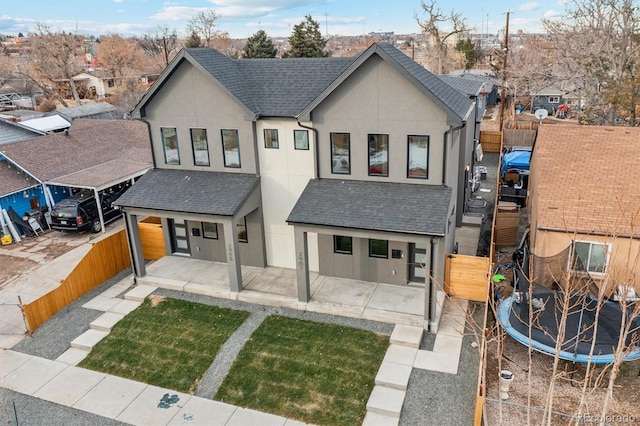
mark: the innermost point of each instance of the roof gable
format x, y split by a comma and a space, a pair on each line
293, 87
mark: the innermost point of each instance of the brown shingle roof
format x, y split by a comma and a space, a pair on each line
89, 144
12, 180
585, 178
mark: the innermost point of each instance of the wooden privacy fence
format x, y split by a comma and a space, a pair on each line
467, 277
491, 141
105, 259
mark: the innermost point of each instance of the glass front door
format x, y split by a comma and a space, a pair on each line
417, 262
179, 237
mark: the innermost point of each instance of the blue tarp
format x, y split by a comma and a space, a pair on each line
517, 160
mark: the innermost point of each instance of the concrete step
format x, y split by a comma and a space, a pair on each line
386, 401
88, 339
106, 321
140, 292
375, 419
392, 375
407, 335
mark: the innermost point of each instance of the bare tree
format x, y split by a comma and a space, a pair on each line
204, 25
120, 57
597, 42
160, 45
55, 58
438, 37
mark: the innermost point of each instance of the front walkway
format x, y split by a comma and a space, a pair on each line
277, 287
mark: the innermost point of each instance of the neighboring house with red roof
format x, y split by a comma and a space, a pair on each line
585, 200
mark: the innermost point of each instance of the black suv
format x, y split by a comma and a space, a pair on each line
80, 212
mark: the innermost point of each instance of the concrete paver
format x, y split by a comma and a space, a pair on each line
125, 307
245, 416
69, 386
88, 339
395, 376
106, 321
110, 397
386, 401
10, 360
400, 354
73, 356
102, 303
407, 336
32, 375
375, 419
140, 292
448, 344
203, 412
437, 361
151, 407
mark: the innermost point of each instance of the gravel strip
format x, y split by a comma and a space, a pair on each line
221, 365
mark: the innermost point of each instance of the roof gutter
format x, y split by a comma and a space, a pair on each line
586, 232
316, 172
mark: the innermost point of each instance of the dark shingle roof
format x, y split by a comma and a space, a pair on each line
463, 85
190, 191
286, 87
375, 206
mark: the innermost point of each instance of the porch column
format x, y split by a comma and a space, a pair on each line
99, 204
135, 244
302, 265
232, 250
436, 280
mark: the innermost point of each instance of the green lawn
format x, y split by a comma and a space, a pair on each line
169, 344
313, 372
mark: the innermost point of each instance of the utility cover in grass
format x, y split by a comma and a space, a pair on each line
313, 372
165, 342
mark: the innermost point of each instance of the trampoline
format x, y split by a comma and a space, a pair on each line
580, 326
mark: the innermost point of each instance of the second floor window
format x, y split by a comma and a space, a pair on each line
340, 153
378, 155
231, 148
170, 146
200, 147
418, 157
301, 139
271, 138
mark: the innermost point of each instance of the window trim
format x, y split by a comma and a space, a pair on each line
336, 250
224, 153
204, 232
164, 146
277, 139
193, 148
369, 140
607, 255
348, 172
295, 139
553, 99
426, 176
378, 256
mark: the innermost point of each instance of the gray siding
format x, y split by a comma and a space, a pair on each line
191, 99
377, 99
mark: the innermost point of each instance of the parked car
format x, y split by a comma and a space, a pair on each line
80, 212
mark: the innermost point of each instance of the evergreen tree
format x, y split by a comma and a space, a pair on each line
467, 48
259, 46
193, 40
306, 40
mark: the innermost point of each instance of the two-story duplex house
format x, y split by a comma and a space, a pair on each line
345, 166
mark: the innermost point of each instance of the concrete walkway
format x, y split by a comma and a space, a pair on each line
61, 382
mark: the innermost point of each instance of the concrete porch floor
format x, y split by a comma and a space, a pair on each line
277, 287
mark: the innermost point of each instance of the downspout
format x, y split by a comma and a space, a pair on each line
316, 148
430, 314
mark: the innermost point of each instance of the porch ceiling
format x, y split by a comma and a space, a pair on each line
188, 191
373, 206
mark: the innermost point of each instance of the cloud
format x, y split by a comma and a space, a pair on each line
552, 14
118, 1
527, 7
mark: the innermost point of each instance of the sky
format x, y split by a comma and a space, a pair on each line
242, 18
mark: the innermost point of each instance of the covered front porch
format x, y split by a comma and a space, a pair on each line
278, 287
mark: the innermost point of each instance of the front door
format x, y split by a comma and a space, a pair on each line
179, 237
417, 262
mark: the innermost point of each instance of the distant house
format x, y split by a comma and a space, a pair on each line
489, 92
549, 98
585, 202
97, 84
92, 155
95, 110
348, 167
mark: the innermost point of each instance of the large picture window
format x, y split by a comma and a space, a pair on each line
342, 244
418, 157
170, 146
341, 153
301, 139
271, 138
200, 147
379, 155
231, 148
589, 257
379, 248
